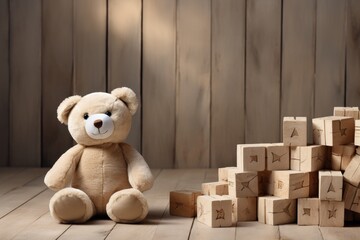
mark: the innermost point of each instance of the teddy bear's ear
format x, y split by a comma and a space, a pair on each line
65, 107
128, 97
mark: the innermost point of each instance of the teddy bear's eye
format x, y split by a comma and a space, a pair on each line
108, 113
86, 116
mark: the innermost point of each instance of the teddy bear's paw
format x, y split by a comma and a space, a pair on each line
127, 206
71, 205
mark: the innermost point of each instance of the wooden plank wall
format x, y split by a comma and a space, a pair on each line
208, 73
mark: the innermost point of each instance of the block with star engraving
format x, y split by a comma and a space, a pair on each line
251, 157
243, 184
295, 131
277, 157
215, 188
308, 211
333, 130
330, 185
351, 197
347, 112
223, 173
244, 209
357, 133
341, 156
274, 210
352, 172
308, 158
291, 184
183, 202
332, 214
215, 210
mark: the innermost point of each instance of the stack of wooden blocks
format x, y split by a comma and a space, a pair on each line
286, 182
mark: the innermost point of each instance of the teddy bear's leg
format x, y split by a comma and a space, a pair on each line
71, 205
127, 206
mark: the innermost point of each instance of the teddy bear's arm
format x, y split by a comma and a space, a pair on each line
60, 175
140, 176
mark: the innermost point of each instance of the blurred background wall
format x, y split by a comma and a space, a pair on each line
209, 73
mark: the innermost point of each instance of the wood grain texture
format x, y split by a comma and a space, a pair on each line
227, 81
25, 87
298, 59
124, 55
353, 54
5, 81
263, 52
57, 60
330, 56
89, 46
193, 84
159, 62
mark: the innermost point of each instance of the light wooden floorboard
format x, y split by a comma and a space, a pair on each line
24, 214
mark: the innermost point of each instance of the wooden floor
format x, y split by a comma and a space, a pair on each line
24, 214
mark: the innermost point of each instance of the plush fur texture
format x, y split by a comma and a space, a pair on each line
101, 174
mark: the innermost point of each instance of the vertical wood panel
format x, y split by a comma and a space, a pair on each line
263, 43
298, 59
4, 81
193, 84
330, 56
25, 87
353, 54
89, 46
159, 61
124, 54
227, 80
57, 62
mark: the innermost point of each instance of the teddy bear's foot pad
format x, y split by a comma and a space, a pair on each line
127, 206
71, 205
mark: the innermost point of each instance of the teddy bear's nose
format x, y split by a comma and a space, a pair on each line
98, 123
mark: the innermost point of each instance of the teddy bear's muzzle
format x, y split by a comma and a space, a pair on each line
99, 126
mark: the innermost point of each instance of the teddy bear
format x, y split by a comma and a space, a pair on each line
101, 174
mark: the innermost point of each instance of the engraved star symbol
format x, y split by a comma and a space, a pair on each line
245, 185
306, 211
298, 185
332, 213
253, 158
220, 214
276, 158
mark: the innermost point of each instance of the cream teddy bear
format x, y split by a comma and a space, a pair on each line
101, 174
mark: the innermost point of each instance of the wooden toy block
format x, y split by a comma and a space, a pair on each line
308, 211
313, 184
223, 173
347, 112
214, 211
294, 131
308, 158
330, 185
277, 157
351, 197
274, 210
245, 209
333, 130
215, 188
357, 132
341, 156
331, 214
266, 183
251, 157
291, 184
243, 184
183, 203
352, 172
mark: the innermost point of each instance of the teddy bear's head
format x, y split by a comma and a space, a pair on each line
99, 118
